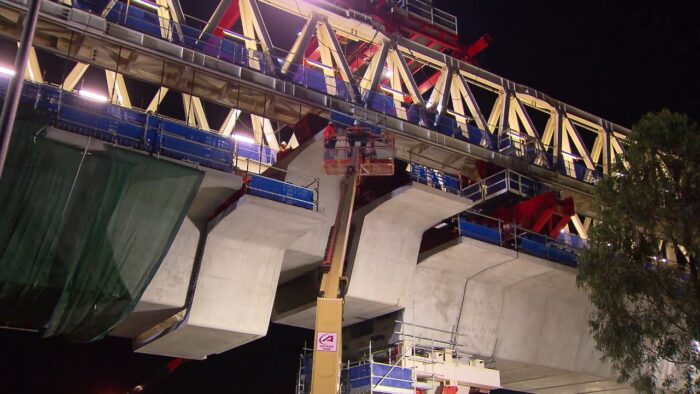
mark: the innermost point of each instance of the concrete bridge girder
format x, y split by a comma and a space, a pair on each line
235, 288
524, 313
388, 245
167, 292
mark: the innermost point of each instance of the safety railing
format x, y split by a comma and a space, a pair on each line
435, 16
505, 181
229, 46
372, 155
287, 187
488, 229
437, 179
133, 128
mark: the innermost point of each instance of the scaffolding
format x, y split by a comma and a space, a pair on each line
421, 360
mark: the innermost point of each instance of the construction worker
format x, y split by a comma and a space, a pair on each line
330, 136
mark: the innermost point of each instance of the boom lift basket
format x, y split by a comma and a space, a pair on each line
371, 154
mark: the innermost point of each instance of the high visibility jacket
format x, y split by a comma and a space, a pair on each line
329, 132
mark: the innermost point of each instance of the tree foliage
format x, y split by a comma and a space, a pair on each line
641, 266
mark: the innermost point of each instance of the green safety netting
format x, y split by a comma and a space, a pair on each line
82, 233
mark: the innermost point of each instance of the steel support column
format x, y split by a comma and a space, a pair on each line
14, 90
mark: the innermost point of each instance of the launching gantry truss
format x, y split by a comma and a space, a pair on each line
359, 62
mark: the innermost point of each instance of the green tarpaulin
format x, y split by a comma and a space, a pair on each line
83, 232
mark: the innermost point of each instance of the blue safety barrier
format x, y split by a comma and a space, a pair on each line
181, 142
275, 190
137, 129
134, 18
571, 240
531, 243
380, 377
346, 121
479, 231
496, 184
473, 192
92, 6
432, 177
251, 151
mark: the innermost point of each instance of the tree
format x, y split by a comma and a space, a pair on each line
641, 265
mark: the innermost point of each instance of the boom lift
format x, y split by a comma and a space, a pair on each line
352, 149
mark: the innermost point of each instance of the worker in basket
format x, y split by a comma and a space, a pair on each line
330, 138
357, 134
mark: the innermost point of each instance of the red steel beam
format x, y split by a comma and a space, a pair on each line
231, 16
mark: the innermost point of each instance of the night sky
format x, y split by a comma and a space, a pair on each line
615, 59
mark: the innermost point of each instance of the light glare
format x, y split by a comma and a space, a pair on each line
243, 138
571, 156
318, 64
92, 95
233, 34
147, 4
7, 71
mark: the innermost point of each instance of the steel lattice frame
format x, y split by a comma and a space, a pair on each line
453, 94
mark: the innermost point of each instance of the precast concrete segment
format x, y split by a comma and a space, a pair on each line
236, 286
524, 312
166, 293
305, 253
388, 247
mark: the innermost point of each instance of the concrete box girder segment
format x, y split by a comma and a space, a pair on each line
525, 312
235, 288
166, 294
387, 249
387, 239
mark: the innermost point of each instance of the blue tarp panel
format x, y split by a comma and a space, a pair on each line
184, 143
451, 184
447, 125
495, 183
92, 6
566, 257
472, 192
345, 121
381, 103
189, 38
255, 152
283, 192
533, 247
478, 231
383, 376
571, 240
103, 126
131, 128
315, 80
136, 18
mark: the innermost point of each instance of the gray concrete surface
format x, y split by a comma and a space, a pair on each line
239, 273
524, 313
166, 293
388, 247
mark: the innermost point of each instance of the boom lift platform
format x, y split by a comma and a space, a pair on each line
353, 149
